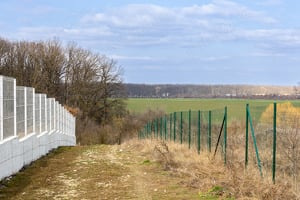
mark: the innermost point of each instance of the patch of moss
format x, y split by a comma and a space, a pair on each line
146, 162
214, 193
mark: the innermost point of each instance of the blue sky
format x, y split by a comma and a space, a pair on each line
178, 41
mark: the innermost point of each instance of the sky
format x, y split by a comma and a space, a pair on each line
171, 41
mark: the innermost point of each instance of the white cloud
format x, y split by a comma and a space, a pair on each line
214, 58
270, 2
43, 32
284, 37
132, 15
131, 58
148, 24
267, 54
224, 8
141, 15
190, 26
40, 33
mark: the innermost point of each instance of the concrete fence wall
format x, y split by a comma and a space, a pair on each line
30, 126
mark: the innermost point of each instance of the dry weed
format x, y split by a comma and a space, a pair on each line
205, 172
164, 156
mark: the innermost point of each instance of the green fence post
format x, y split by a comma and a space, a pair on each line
157, 125
147, 133
171, 116
274, 142
199, 130
254, 142
190, 116
225, 136
181, 121
156, 128
161, 128
153, 129
209, 131
157, 122
174, 129
146, 129
247, 136
165, 126
149, 128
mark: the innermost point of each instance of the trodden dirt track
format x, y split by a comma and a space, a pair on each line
97, 172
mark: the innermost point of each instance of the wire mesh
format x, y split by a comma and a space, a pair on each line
204, 131
30, 109
37, 111
263, 128
20, 117
251, 137
48, 113
288, 143
23, 112
8, 107
193, 128
57, 116
52, 107
197, 129
43, 113
217, 132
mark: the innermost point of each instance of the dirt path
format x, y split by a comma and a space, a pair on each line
96, 172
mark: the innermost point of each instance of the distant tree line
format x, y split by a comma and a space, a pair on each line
210, 91
75, 76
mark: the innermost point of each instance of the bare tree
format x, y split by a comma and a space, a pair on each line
80, 76
75, 76
93, 83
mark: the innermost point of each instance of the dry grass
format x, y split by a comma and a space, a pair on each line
287, 154
205, 172
117, 130
139, 169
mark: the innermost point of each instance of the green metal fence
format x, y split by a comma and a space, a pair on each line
200, 130
267, 137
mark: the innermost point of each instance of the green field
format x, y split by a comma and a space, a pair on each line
236, 107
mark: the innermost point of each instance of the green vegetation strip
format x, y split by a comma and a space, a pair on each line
236, 107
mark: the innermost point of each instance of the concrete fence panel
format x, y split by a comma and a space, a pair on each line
30, 126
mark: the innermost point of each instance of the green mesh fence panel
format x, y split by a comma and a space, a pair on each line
217, 117
193, 128
183, 127
288, 143
204, 129
263, 127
